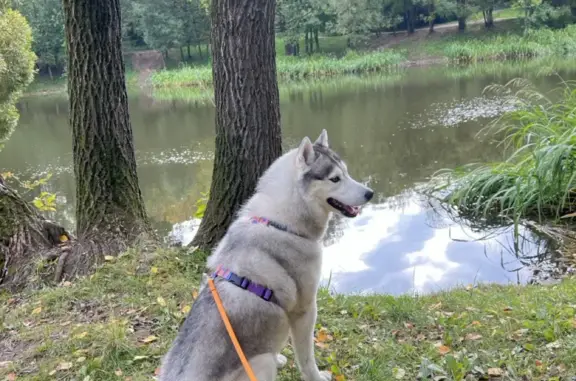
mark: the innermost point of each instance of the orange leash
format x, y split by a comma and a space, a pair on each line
231, 333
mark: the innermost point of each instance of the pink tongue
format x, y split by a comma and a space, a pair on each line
352, 209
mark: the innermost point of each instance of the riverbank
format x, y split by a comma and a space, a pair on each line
118, 323
504, 42
448, 48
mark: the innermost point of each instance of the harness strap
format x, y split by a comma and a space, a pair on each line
230, 330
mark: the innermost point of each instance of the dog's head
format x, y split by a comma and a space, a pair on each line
325, 178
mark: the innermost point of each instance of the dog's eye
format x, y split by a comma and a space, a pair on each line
335, 179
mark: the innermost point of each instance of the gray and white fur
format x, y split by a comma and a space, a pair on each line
301, 190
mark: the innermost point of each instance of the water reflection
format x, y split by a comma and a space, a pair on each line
393, 132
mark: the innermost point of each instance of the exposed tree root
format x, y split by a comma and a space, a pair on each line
35, 251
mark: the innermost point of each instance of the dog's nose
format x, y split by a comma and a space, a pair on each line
368, 195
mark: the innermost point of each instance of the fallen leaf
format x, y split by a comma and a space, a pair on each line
343, 312
81, 359
36, 310
323, 336
469, 287
81, 335
475, 322
157, 371
194, 294
538, 363
495, 372
473, 336
63, 238
118, 372
149, 339
108, 258
11, 376
137, 358
161, 301
443, 349
5, 364
507, 309
154, 270
64, 366
409, 325
67, 284
340, 377
436, 306
322, 345
554, 345
399, 373
52, 372
185, 309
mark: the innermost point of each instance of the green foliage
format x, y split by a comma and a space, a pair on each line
201, 205
45, 201
47, 21
16, 66
538, 180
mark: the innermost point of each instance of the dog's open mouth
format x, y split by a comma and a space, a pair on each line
347, 210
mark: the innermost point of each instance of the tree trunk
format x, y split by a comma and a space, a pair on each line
432, 16
109, 205
462, 15
489, 18
200, 52
25, 239
188, 52
316, 40
409, 17
248, 137
182, 56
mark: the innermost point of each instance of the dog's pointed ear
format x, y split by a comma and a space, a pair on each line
322, 139
305, 155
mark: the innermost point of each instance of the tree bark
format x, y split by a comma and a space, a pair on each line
431, 10
489, 18
248, 136
317, 40
461, 17
109, 205
25, 239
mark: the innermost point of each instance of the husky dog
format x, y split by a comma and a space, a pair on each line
267, 270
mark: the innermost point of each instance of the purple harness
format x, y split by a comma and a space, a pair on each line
244, 283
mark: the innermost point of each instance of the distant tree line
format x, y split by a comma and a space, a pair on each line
169, 25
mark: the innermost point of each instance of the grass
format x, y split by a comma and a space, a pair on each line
538, 178
500, 13
116, 325
290, 68
537, 43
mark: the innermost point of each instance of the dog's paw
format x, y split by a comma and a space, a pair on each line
281, 361
325, 376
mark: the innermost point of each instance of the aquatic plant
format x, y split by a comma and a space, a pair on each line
538, 178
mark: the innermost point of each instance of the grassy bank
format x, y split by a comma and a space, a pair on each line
290, 68
116, 324
537, 180
537, 43
453, 48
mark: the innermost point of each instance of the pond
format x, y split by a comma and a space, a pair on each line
394, 131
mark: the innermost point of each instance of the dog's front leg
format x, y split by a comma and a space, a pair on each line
302, 332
